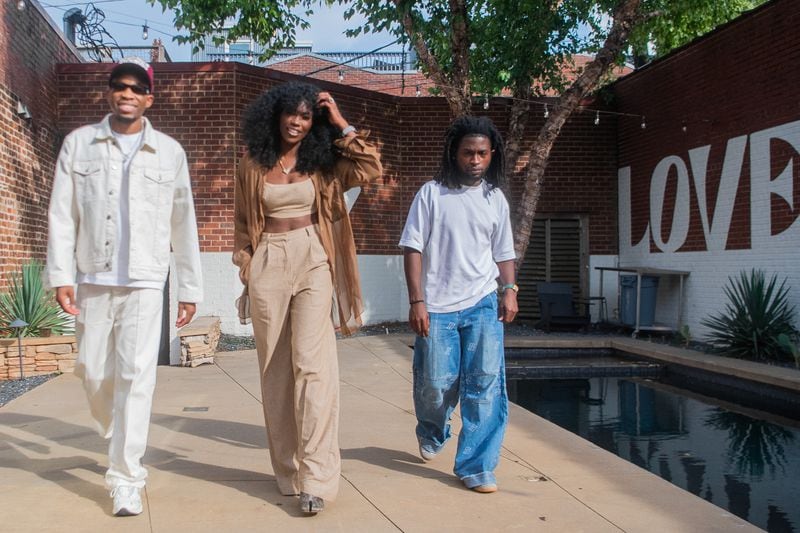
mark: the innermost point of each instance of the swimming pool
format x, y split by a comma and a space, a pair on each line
730, 454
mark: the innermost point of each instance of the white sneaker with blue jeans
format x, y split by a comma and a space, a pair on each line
426, 453
462, 359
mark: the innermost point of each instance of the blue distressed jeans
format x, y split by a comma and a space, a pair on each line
462, 359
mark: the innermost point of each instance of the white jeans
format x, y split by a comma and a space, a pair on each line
118, 332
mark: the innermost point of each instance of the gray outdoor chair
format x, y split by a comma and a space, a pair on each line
558, 308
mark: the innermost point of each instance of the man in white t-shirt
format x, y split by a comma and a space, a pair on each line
457, 242
121, 201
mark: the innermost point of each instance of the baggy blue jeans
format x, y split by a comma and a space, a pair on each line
462, 359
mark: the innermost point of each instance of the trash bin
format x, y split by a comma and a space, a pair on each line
647, 312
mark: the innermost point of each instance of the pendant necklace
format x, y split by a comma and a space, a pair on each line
283, 168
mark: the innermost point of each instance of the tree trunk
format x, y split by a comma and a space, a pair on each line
625, 16
517, 118
456, 89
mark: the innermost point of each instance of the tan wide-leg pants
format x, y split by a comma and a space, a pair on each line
290, 298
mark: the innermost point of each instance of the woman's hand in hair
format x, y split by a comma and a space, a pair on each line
326, 101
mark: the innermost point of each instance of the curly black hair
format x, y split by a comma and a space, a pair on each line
261, 128
449, 173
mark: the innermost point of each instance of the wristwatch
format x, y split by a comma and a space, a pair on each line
513, 286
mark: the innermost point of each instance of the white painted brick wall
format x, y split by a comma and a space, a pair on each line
382, 284
704, 288
610, 286
710, 270
385, 297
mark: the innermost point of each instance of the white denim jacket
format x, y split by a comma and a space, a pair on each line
83, 213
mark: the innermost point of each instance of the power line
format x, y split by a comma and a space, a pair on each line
335, 65
145, 22
58, 6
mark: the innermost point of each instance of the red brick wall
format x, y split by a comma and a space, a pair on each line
201, 105
580, 178
738, 80
30, 48
396, 84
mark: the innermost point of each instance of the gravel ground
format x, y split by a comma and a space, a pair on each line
13, 388
229, 343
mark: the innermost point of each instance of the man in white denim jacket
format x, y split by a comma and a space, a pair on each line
121, 198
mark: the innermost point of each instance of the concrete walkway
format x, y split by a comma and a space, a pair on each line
209, 469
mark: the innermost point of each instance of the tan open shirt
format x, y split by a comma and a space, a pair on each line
359, 164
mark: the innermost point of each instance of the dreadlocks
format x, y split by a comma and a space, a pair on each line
448, 174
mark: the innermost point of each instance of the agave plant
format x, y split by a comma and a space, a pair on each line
756, 315
28, 300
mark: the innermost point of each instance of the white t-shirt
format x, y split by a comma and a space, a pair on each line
128, 144
462, 234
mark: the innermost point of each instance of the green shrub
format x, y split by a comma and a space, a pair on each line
756, 315
28, 300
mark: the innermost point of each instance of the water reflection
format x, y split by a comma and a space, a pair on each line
681, 439
752, 444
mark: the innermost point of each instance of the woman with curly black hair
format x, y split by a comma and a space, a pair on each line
294, 247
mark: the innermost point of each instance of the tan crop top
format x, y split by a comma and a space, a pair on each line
288, 200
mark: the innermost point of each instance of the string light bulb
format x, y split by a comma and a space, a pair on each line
145, 31
644, 124
486, 102
21, 5
341, 76
546, 111
418, 92
597, 118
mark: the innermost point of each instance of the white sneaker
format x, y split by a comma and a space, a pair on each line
426, 454
127, 501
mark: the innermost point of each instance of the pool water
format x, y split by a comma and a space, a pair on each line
738, 459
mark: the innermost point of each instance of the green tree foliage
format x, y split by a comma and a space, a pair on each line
680, 21
271, 23
522, 44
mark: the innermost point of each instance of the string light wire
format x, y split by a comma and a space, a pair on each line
370, 85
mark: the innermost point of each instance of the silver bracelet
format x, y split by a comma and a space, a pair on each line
347, 130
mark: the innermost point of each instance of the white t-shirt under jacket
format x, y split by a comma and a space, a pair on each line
462, 234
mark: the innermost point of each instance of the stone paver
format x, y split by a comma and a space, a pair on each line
209, 468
